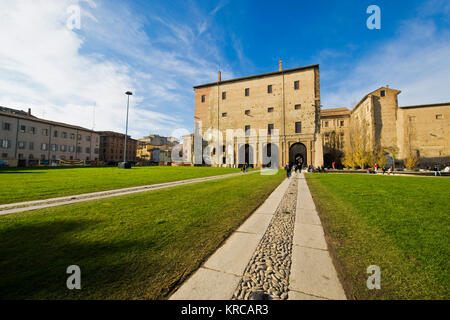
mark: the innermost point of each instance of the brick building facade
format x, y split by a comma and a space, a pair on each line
112, 147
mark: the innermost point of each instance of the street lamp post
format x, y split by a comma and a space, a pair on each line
125, 165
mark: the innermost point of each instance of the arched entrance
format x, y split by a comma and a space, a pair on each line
297, 154
245, 155
270, 156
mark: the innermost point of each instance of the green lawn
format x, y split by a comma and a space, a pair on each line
137, 246
17, 185
401, 224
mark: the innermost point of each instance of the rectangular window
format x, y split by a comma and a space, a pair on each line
63, 148
45, 132
64, 135
270, 129
96, 150
269, 88
298, 106
342, 123
32, 130
54, 147
224, 115
247, 92
79, 149
72, 136
88, 150
296, 85
31, 145
21, 144
247, 130
247, 112
71, 148
224, 95
383, 93
44, 146
55, 134
298, 127
5, 144
79, 137
203, 98
88, 138
23, 128
439, 117
4, 155
326, 124
270, 109
6, 126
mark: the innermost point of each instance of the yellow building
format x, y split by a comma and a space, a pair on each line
422, 130
271, 114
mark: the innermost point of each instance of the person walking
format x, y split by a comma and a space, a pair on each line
288, 169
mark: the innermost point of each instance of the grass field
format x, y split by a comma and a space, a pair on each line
401, 224
17, 185
131, 247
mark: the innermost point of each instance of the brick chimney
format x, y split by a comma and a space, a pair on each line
220, 76
29, 111
281, 65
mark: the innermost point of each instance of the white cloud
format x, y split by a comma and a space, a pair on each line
414, 61
63, 73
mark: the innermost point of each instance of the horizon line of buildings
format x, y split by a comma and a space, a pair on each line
288, 101
26, 140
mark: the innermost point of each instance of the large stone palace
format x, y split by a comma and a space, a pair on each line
279, 114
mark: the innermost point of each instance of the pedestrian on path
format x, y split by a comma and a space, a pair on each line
288, 170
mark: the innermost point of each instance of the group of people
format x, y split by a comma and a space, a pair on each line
437, 169
376, 167
244, 167
289, 168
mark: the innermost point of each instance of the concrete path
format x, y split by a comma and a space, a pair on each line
219, 276
313, 276
53, 202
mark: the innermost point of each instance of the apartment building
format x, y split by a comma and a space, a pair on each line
112, 147
29, 140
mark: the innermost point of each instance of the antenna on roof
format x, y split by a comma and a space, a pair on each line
93, 118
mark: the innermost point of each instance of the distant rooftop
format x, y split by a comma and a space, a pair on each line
334, 112
441, 104
28, 116
257, 76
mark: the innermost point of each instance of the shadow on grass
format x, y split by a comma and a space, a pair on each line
18, 172
34, 260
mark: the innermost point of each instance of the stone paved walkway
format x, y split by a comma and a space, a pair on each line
313, 275
279, 252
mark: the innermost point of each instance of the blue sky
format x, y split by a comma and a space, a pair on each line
161, 49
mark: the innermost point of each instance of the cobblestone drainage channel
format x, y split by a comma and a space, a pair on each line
267, 274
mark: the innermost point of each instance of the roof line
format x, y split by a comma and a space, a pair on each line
428, 105
50, 122
257, 76
365, 97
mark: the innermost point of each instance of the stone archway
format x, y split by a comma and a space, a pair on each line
270, 154
298, 154
245, 155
